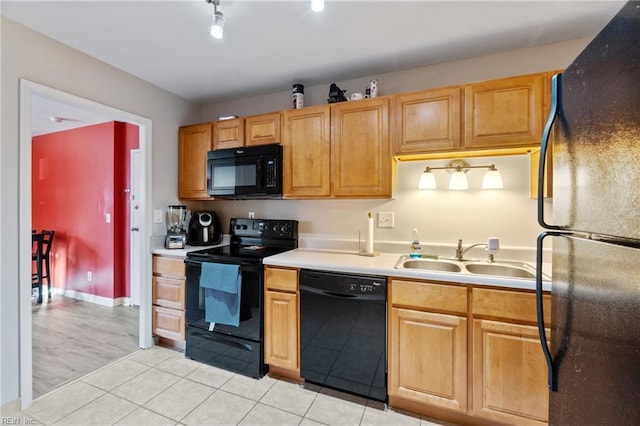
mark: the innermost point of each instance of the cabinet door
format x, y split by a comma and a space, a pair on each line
281, 330
427, 121
509, 373
262, 129
505, 112
228, 133
194, 143
428, 358
360, 150
307, 152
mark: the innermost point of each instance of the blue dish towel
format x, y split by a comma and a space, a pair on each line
222, 286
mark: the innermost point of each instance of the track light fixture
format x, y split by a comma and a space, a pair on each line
217, 24
317, 5
492, 179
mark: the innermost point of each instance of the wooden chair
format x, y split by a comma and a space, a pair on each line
40, 254
36, 256
47, 241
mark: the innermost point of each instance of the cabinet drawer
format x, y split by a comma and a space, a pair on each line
168, 292
513, 305
169, 266
281, 279
430, 296
169, 323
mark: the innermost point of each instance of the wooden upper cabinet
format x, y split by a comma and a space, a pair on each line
262, 129
506, 112
307, 152
194, 143
360, 149
228, 133
428, 120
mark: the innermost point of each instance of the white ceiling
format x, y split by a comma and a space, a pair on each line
269, 45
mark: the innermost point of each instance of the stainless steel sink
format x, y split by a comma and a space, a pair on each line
501, 270
430, 265
506, 269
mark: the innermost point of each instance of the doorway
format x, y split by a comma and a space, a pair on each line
28, 90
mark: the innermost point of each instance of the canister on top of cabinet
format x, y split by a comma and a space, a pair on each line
373, 87
297, 96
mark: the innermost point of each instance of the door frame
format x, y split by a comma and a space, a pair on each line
136, 167
27, 90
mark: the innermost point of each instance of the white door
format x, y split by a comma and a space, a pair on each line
136, 220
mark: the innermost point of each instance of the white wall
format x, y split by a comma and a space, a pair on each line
30, 55
522, 61
441, 216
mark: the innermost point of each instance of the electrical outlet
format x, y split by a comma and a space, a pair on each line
252, 215
89, 276
157, 216
385, 220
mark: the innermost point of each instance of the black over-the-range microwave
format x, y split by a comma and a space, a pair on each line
253, 172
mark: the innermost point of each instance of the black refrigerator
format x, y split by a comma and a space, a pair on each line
594, 231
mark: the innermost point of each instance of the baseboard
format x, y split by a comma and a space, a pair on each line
10, 409
92, 298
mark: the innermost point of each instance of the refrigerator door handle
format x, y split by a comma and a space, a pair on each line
556, 80
551, 370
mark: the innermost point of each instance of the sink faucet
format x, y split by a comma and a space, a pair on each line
492, 247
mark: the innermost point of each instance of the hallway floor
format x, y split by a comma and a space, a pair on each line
72, 338
159, 386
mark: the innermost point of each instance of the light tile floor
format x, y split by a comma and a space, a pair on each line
160, 386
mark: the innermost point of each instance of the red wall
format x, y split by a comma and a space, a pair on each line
79, 177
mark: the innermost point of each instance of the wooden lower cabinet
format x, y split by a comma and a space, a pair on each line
509, 373
281, 319
168, 294
466, 354
281, 329
428, 358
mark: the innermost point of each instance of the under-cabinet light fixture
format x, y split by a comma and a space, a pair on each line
458, 180
217, 23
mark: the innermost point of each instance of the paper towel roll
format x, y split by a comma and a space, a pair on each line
368, 242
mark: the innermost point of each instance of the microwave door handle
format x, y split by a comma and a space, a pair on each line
260, 175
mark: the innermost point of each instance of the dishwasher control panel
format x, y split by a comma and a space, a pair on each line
342, 284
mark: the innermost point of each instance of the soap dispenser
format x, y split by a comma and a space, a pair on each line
416, 248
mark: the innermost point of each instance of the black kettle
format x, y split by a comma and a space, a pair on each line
204, 229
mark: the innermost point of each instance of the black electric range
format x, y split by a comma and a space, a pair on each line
239, 349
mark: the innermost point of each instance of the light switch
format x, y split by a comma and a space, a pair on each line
107, 217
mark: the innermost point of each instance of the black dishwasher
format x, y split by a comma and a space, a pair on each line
343, 332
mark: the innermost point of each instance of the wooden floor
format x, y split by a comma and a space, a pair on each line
72, 338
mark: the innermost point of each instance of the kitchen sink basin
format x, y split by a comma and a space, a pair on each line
502, 270
505, 269
431, 265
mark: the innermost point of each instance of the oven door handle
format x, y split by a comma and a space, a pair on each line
244, 266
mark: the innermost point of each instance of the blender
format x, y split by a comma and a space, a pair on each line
176, 230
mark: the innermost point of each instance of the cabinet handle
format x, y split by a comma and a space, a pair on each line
556, 81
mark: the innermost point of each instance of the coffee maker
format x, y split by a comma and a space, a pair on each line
176, 227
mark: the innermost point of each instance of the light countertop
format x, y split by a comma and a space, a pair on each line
383, 264
157, 247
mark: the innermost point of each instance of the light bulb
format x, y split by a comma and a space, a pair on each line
217, 26
317, 5
459, 181
427, 181
492, 179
